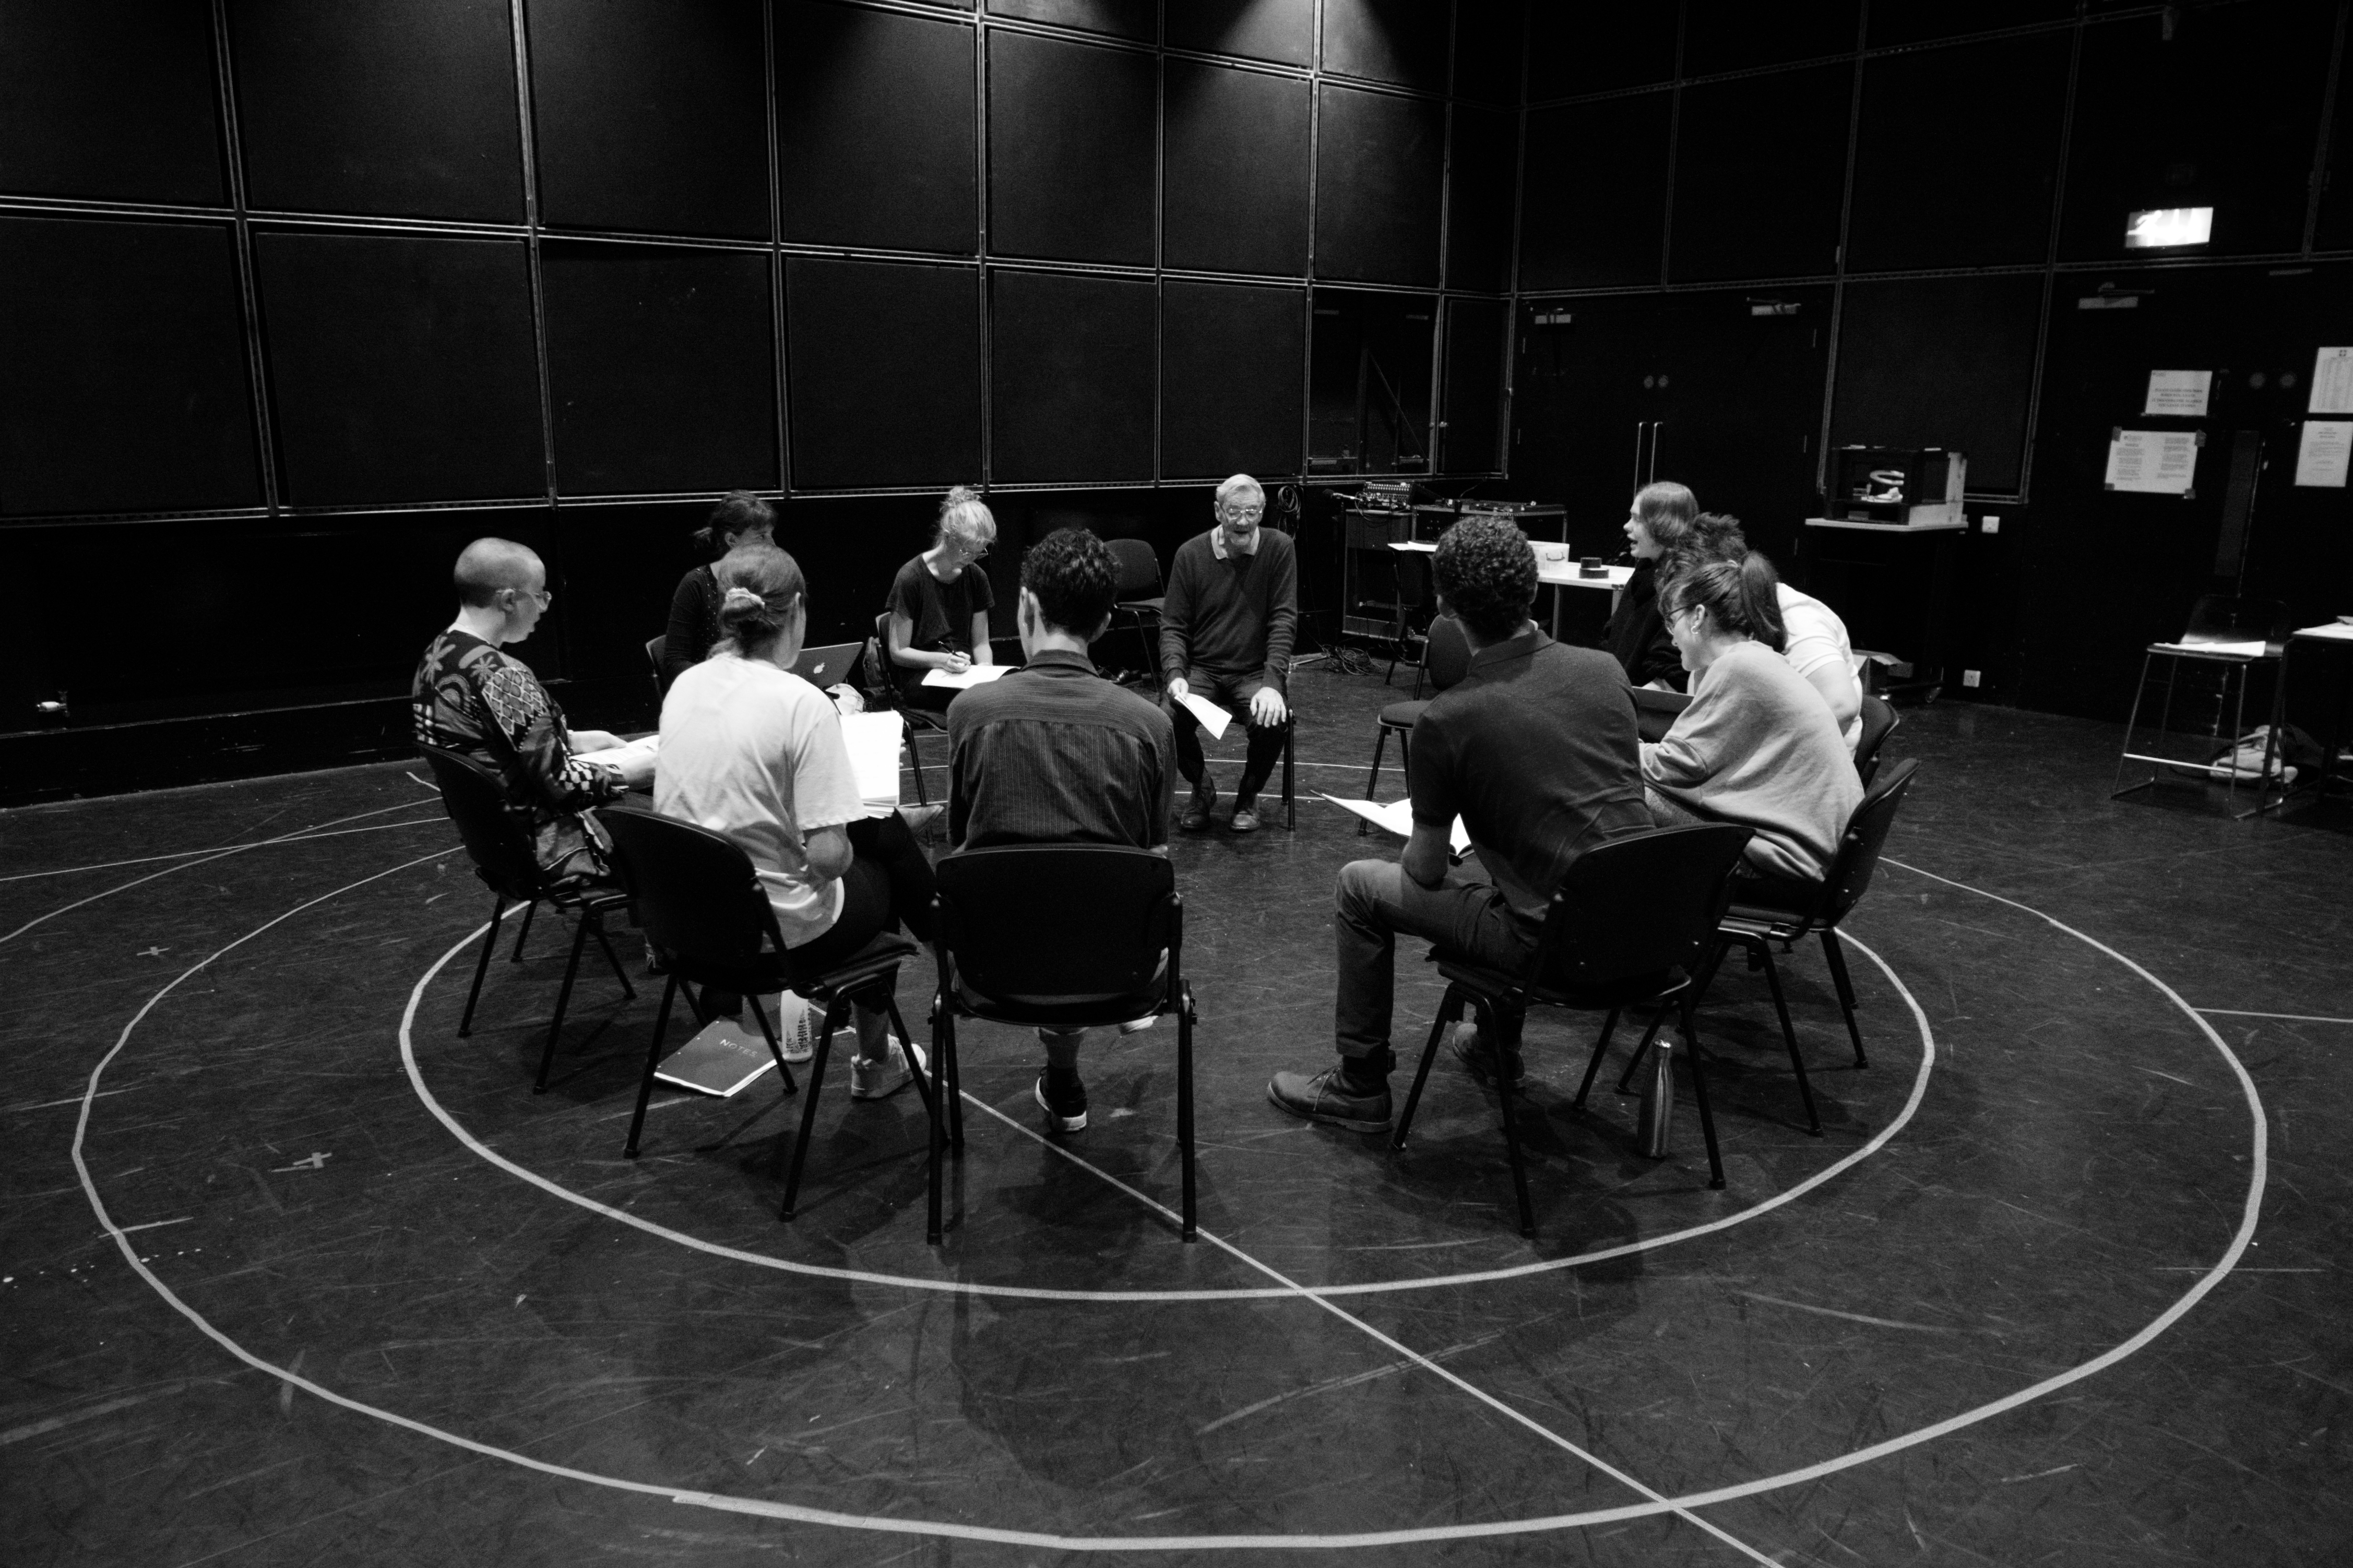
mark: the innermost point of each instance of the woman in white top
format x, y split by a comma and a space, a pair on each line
1757, 745
753, 750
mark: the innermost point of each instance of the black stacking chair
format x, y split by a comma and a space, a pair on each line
501, 850
1630, 926
1138, 595
1058, 936
1413, 596
1445, 660
883, 692
657, 649
1763, 913
699, 900
1880, 721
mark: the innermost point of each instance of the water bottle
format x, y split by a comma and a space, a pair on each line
1658, 1098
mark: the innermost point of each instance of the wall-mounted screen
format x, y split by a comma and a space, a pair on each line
2164, 227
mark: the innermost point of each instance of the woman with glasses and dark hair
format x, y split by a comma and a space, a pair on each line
939, 602
1757, 745
740, 517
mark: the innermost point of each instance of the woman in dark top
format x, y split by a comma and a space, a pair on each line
740, 517
1659, 525
940, 601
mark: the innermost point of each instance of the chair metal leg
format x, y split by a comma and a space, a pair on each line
1789, 1035
775, 1052
563, 1000
907, 1044
956, 1091
629, 991
1185, 1106
2116, 787
943, 1025
653, 1056
1372, 780
1600, 1049
482, 964
1836, 954
1506, 1039
1290, 779
1699, 1091
529, 910
1450, 1011
835, 1006
1641, 1049
914, 758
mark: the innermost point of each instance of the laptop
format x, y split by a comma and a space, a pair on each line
831, 664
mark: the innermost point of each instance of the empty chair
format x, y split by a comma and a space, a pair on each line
2227, 638
503, 859
1445, 660
1138, 596
1630, 925
1413, 598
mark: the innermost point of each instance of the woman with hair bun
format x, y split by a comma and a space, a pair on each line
740, 517
1757, 745
939, 602
1658, 527
753, 750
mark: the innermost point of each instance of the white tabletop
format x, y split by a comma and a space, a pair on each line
1556, 568
2327, 631
1862, 527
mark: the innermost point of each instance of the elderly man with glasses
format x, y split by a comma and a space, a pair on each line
1225, 630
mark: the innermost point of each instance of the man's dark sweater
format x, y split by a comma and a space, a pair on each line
1234, 616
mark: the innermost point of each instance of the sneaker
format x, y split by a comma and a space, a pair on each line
1330, 1098
1065, 1104
884, 1076
1472, 1051
1137, 1025
1245, 818
1195, 819
655, 962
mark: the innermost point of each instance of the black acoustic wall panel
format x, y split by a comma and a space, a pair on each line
1233, 169
1233, 368
402, 107
874, 127
1760, 163
1469, 444
1593, 192
125, 387
651, 116
403, 368
1915, 21
110, 98
1070, 149
1481, 178
1940, 362
659, 368
1940, 183
1069, 378
1576, 50
1136, 19
1400, 41
1490, 45
2336, 228
1740, 35
1379, 171
1282, 31
2223, 115
885, 370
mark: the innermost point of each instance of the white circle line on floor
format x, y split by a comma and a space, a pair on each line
2258, 1165
1238, 1293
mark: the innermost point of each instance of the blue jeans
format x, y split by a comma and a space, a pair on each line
1377, 903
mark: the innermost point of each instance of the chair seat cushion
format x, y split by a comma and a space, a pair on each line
1781, 900
776, 972
1100, 1010
1401, 715
1153, 604
1624, 991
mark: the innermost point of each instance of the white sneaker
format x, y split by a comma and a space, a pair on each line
1137, 1025
885, 1075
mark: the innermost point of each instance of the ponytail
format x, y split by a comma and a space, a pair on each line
965, 516
1741, 597
761, 585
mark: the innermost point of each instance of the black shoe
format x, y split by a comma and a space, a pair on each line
1472, 1051
1064, 1104
1245, 819
1195, 819
1333, 1099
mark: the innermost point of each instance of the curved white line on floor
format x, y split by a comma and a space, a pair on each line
305, 836
761, 1507
1246, 1293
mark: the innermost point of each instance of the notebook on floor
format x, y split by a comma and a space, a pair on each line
719, 1060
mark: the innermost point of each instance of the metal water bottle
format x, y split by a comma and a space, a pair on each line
1659, 1098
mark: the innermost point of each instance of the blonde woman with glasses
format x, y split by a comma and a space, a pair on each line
939, 602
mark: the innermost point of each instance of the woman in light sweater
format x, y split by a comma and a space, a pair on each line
1757, 745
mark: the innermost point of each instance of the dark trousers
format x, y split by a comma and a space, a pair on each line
1232, 694
1378, 903
889, 883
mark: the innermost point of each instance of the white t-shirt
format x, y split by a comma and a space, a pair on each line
755, 753
1817, 639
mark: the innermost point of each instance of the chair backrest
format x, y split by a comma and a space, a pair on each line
1857, 859
692, 889
1412, 578
657, 649
1655, 712
1038, 921
2227, 617
1639, 905
1139, 568
497, 844
830, 665
1880, 721
1445, 653
880, 691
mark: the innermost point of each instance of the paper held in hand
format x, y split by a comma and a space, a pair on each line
1396, 817
627, 754
974, 675
874, 743
1212, 717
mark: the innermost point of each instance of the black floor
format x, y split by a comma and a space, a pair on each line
293, 1274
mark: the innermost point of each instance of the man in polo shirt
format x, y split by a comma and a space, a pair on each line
1053, 753
1225, 636
1536, 751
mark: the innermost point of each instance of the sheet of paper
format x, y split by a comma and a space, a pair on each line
2156, 462
2322, 455
643, 749
873, 741
1417, 546
1397, 817
2332, 383
2179, 392
1213, 717
2253, 648
974, 675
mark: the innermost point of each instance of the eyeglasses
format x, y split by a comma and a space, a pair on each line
1242, 513
545, 596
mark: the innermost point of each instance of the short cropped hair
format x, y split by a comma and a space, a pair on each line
964, 516
760, 584
1076, 580
486, 565
739, 513
1487, 576
1741, 597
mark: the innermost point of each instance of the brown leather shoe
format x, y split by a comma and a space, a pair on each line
1195, 817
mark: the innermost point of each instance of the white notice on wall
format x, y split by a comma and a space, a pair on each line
2332, 383
2322, 456
2180, 394
2159, 462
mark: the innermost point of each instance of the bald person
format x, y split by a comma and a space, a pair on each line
470, 698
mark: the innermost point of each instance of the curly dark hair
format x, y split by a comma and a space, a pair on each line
1487, 576
1076, 580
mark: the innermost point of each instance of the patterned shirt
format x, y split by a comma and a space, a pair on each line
1053, 753
473, 699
